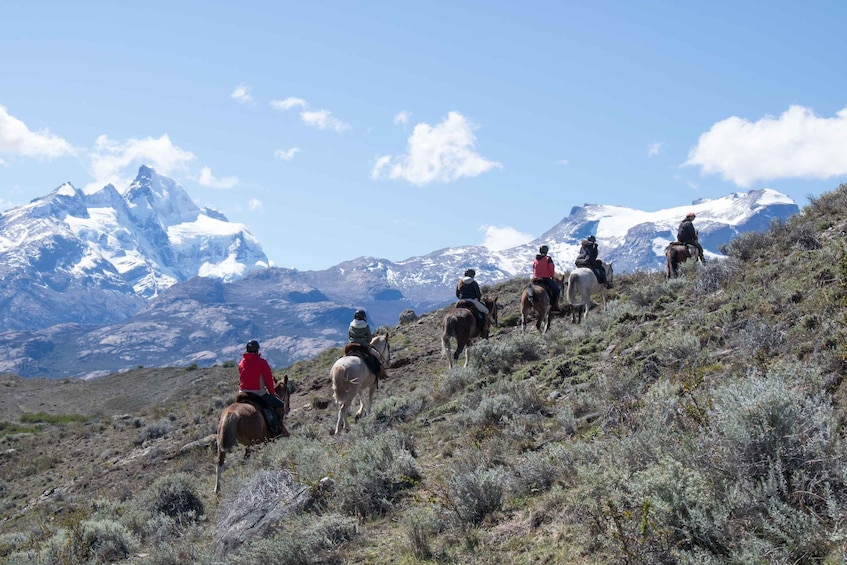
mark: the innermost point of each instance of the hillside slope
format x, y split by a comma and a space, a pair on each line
698, 420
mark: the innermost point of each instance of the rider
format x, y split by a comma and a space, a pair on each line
588, 258
360, 332
468, 289
688, 235
253, 372
544, 269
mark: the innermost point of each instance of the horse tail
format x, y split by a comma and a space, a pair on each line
530, 296
449, 331
573, 283
227, 430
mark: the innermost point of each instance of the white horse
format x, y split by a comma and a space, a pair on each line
350, 377
582, 283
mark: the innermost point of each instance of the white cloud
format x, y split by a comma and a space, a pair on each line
402, 118
442, 153
289, 103
241, 94
208, 180
286, 154
797, 144
16, 138
114, 162
323, 119
562, 162
254, 204
654, 149
498, 239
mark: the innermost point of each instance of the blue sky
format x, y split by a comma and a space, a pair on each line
392, 129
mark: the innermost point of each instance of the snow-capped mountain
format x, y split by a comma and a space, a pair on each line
98, 283
71, 257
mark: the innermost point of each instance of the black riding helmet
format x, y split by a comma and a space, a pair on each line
470, 273
252, 346
543, 250
360, 315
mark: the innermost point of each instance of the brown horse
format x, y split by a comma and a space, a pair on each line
242, 423
677, 253
461, 324
351, 377
535, 298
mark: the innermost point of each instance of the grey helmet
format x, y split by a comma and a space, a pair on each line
360, 315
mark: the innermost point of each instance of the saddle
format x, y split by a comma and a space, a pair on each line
547, 284
479, 316
268, 412
363, 353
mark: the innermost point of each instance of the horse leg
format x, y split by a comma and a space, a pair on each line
459, 347
445, 348
361, 407
342, 418
523, 320
219, 468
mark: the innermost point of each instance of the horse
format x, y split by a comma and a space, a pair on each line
461, 324
582, 283
536, 298
242, 423
676, 253
351, 376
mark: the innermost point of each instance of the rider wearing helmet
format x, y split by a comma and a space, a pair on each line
587, 258
544, 270
468, 289
360, 332
687, 235
253, 373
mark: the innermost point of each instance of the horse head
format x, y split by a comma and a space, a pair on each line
282, 391
380, 344
491, 304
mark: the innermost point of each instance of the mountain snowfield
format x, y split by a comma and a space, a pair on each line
102, 282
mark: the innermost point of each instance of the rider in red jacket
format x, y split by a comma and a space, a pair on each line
544, 269
253, 372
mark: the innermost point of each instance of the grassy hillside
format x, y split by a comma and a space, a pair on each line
698, 420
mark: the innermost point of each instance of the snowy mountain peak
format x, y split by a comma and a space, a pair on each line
68, 245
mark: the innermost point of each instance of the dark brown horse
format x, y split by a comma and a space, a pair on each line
461, 324
535, 298
677, 253
243, 423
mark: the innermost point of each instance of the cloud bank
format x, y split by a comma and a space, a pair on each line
797, 144
441, 153
17, 139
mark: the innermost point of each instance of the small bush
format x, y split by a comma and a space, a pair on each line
476, 494
420, 526
374, 475
89, 541
174, 496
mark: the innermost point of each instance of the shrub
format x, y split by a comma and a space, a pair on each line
714, 275
420, 526
372, 477
89, 541
305, 540
476, 494
174, 496
748, 245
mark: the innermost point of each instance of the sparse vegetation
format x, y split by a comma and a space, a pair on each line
694, 421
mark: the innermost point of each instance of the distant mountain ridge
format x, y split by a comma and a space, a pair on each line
104, 282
